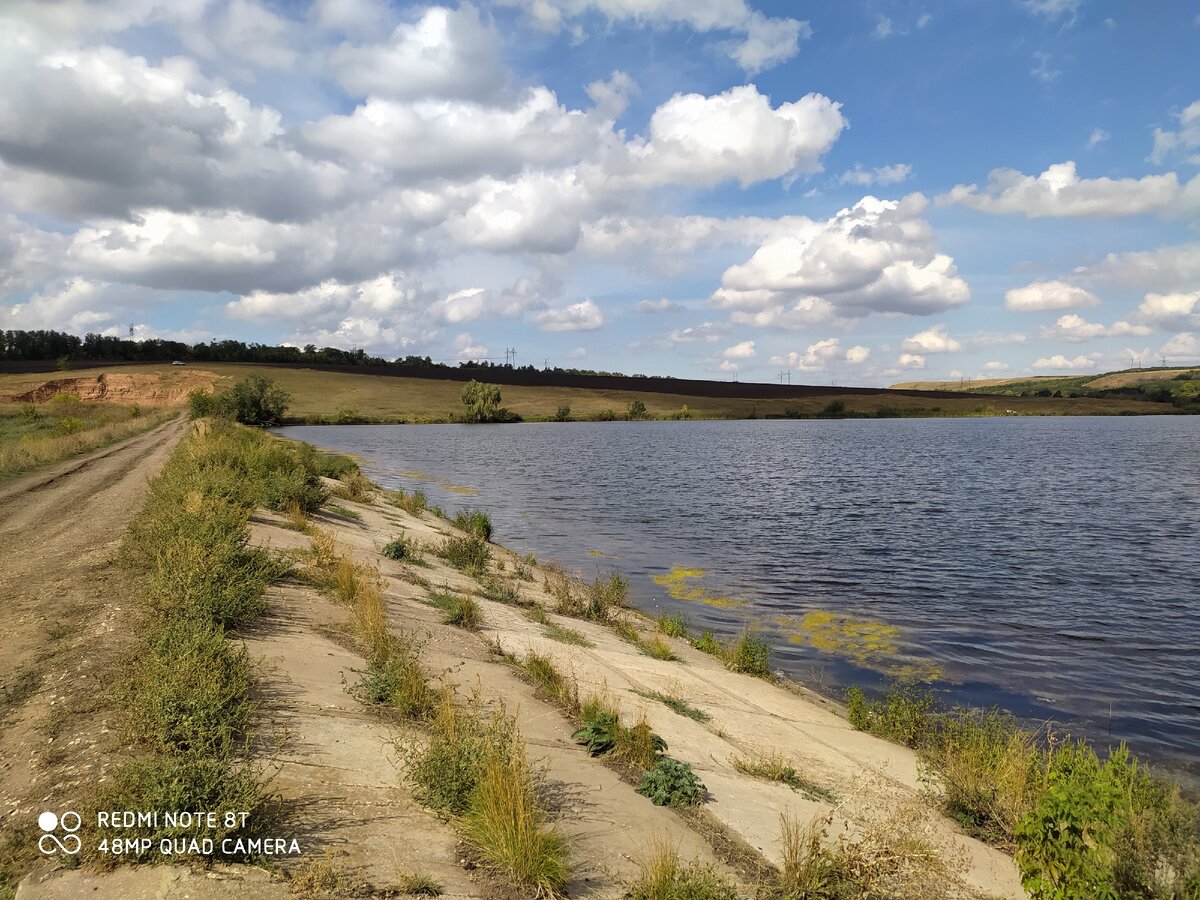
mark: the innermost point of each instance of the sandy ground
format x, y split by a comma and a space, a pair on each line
338, 771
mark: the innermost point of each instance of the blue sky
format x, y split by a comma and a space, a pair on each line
858, 192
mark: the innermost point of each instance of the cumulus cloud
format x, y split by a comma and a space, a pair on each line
1058, 361
446, 53
766, 41
1099, 136
661, 305
876, 256
1075, 328
706, 332
858, 354
881, 175
1185, 138
1174, 311
910, 361
582, 316
1168, 268
1059, 192
816, 358
995, 365
744, 350
733, 136
1043, 295
1183, 346
932, 340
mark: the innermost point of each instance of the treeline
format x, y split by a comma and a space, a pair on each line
58, 345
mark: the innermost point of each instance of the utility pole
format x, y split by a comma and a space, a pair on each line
789, 377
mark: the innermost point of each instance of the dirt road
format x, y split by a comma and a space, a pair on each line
60, 621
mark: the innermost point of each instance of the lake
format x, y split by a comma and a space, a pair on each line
1048, 565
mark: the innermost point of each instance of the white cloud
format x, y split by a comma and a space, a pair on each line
660, 305
924, 19
882, 175
933, 340
858, 354
736, 135
465, 346
1060, 192
1053, 10
1099, 136
1165, 268
577, 353
1043, 71
767, 41
1181, 346
744, 350
816, 358
995, 365
883, 27
1186, 138
1179, 310
1058, 361
447, 53
911, 361
707, 332
1044, 295
583, 316
877, 256
1075, 328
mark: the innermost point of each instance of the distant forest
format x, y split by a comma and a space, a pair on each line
58, 345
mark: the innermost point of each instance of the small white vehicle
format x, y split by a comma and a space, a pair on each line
178, 362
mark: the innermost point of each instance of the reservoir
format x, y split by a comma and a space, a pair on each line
1050, 566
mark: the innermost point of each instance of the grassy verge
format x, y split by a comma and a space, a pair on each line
1079, 824
186, 691
38, 435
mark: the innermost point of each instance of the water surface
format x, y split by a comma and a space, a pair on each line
1046, 564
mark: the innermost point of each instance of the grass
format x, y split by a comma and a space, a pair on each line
413, 503
550, 683
418, 884
326, 875
672, 625
655, 647
473, 769
501, 590
33, 435
678, 705
565, 635
186, 693
748, 653
664, 876
470, 553
459, 609
596, 601
396, 678
771, 765
1071, 815
319, 394
474, 522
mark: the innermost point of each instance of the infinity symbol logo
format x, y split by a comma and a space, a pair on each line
69, 843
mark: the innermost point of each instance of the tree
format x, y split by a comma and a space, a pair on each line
637, 410
257, 400
482, 401
563, 413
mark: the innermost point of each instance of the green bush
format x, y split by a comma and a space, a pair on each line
396, 549
750, 654
671, 783
474, 521
707, 643
69, 425
599, 733
673, 625
905, 715
636, 410
255, 400
469, 553
397, 679
563, 413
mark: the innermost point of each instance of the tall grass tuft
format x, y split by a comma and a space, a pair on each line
664, 876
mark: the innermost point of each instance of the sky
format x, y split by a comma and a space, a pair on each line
863, 192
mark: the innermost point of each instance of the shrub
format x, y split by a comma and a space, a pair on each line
501, 590
639, 747
750, 654
357, 487
482, 402
904, 715
508, 829
413, 503
189, 689
397, 679
464, 612
606, 415
636, 410
664, 877
475, 522
256, 400
563, 413
707, 643
69, 425
396, 549
332, 465
469, 553
671, 783
672, 625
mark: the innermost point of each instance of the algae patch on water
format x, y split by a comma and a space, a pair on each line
869, 643
456, 488
682, 584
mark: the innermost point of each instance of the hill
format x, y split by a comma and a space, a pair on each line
394, 394
1178, 386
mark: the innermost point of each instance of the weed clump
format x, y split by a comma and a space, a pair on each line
475, 522
395, 678
749, 653
671, 783
469, 553
412, 503
397, 549
664, 876
672, 625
